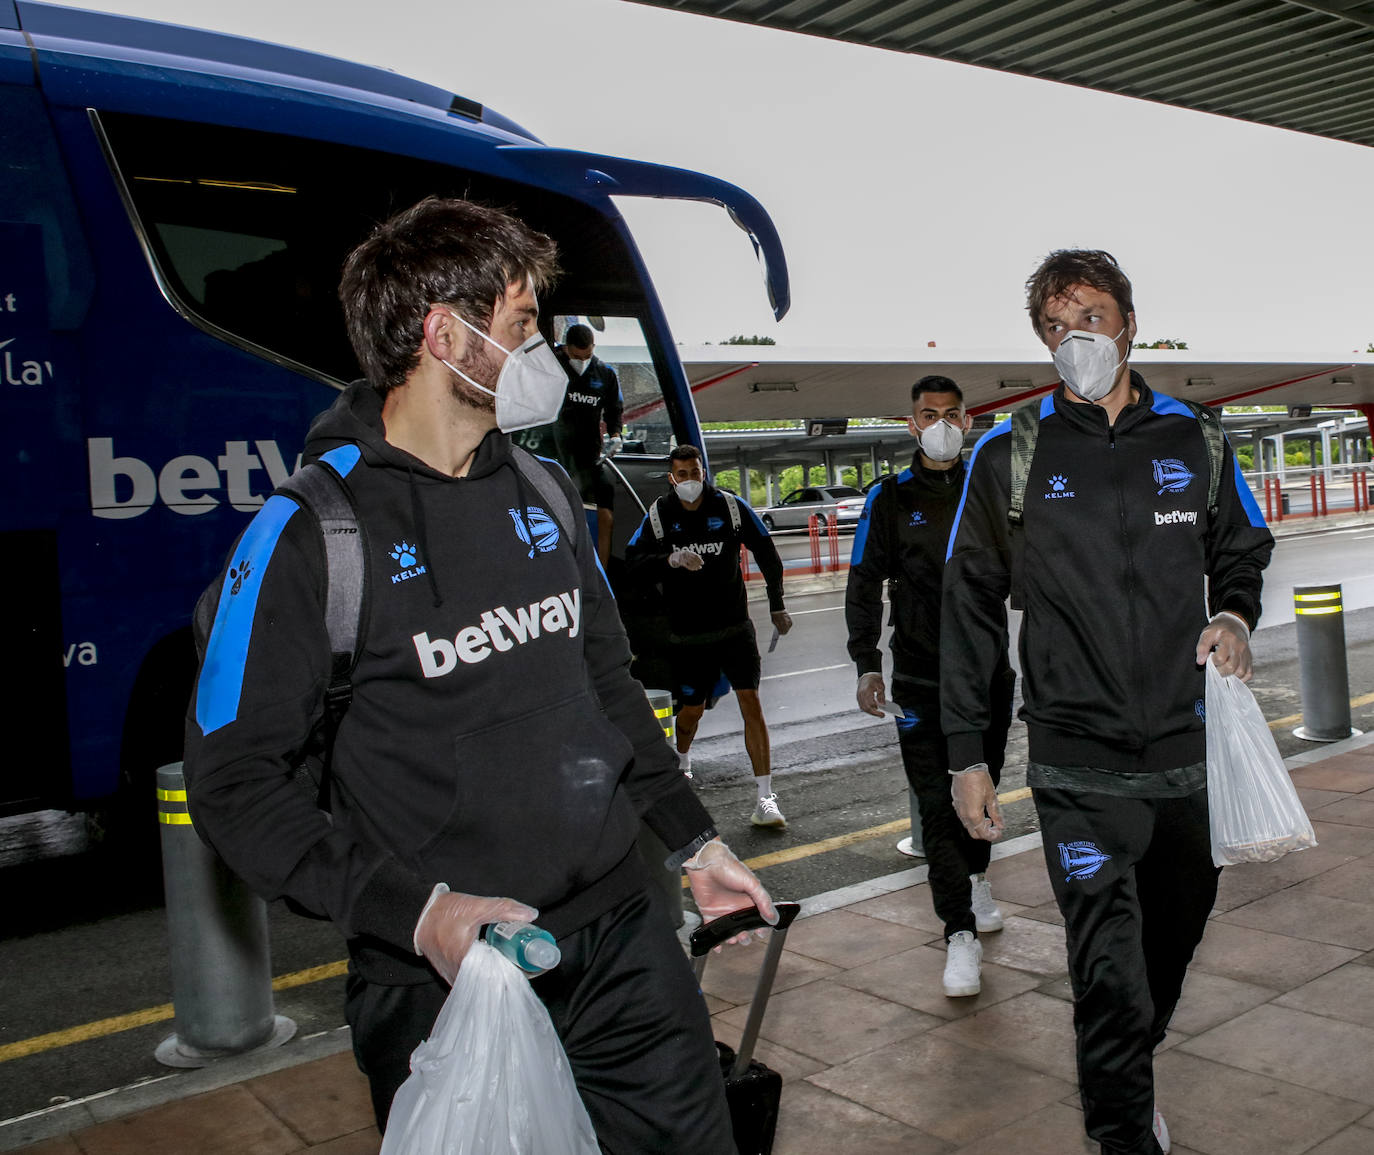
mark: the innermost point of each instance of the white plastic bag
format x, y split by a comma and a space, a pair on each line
492, 1078
1255, 812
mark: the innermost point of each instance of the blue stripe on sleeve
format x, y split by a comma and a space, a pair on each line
342, 459
226, 654
1046, 408
856, 554
634, 537
1247, 499
1001, 430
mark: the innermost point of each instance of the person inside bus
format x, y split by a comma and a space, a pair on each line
496, 757
592, 401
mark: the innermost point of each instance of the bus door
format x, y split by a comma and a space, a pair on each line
44, 290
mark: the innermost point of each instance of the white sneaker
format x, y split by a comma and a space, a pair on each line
768, 813
963, 966
684, 761
987, 916
1161, 1132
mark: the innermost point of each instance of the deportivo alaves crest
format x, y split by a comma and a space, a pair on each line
1081, 859
1171, 475
536, 529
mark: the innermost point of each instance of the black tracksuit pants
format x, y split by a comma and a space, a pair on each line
632, 1020
950, 853
1135, 882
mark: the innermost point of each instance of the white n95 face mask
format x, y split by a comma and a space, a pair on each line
530, 387
579, 367
1087, 363
941, 441
688, 491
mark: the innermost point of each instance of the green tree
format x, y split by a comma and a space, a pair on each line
1162, 343
741, 339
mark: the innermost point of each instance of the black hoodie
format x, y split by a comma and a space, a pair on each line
495, 740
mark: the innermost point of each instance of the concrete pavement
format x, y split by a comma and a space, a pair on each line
1272, 1051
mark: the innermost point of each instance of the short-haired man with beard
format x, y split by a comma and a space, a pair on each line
497, 757
689, 545
1130, 581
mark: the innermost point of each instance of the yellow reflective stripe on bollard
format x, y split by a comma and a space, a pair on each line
174, 818
665, 712
171, 795
1316, 603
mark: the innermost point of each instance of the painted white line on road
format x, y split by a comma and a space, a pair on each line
815, 670
822, 610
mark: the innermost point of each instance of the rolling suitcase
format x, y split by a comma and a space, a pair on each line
752, 1090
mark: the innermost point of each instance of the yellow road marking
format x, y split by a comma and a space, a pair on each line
901, 826
1294, 719
134, 1019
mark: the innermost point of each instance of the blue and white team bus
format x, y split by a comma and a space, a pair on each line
175, 206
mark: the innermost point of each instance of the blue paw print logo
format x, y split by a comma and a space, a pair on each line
918, 518
1058, 482
238, 575
536, 529
403, 554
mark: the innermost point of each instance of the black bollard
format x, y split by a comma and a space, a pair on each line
217, 939
1321, 661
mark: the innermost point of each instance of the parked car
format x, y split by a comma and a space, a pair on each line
844, 503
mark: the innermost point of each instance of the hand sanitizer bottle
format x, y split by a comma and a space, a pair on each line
529, 947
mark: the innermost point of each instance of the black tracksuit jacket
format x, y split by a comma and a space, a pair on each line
593, 396
495, 740
713, 598
902, 538
1119, 568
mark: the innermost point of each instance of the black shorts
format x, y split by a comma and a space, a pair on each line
594, 484
701, 661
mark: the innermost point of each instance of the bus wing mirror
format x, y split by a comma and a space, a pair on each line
633, 178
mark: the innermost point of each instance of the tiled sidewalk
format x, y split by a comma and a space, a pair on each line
1272, 1051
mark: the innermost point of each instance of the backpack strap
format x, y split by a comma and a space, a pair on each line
1215, 438
321, 492
1025, 428
732, 504
536, 471
656, 519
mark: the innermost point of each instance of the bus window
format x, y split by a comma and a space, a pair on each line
247, 230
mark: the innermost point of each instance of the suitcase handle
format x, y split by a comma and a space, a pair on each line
717, 931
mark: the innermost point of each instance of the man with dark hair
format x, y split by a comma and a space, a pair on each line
495, 743
689, 545
1137, 558
593, 397
901, 540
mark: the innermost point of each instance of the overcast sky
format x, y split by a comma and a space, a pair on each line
913, 196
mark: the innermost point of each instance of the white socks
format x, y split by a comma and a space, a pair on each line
765, 784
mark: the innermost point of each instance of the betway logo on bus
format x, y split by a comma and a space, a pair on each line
128, 486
